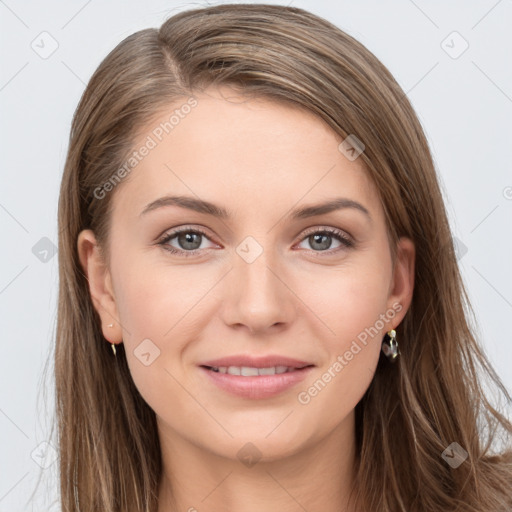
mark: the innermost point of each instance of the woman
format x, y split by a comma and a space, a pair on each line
250, 225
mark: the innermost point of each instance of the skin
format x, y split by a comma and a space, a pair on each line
258, 159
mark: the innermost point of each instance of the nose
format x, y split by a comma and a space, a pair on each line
258, 296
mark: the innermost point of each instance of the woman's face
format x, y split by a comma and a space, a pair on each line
262, 270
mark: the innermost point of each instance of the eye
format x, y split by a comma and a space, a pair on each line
188, 240
320, 240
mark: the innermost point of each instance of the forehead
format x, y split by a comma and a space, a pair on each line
250, 153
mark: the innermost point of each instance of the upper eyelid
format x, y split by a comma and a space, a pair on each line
328, 229
172, 233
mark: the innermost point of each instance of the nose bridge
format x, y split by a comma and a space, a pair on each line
259, 298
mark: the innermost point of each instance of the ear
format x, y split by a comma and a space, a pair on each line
402, 282
100, 285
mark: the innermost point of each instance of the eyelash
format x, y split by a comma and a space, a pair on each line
346, 242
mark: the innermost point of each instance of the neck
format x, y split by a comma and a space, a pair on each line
318, 477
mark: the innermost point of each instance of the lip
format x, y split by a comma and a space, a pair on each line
261, 386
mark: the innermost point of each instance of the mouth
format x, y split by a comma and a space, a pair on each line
255, 378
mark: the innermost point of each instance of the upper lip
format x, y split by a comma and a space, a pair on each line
257, 362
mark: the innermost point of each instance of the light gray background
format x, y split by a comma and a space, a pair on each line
464, 104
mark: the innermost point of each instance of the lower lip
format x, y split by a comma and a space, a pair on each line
257, 387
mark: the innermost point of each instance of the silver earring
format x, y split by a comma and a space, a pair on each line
111, 325
390, 348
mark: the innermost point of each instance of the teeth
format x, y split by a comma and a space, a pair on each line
247, 371
267, 371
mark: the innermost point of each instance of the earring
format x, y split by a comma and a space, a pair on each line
113, 346
390, 348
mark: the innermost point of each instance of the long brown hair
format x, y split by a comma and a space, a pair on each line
109, 449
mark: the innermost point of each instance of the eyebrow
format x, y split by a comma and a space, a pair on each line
201, 206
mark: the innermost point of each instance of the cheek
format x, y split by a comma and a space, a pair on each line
359, 307
153, 299
353, 305
355, 309
146, 315
359, 329
350, 299
161, 308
